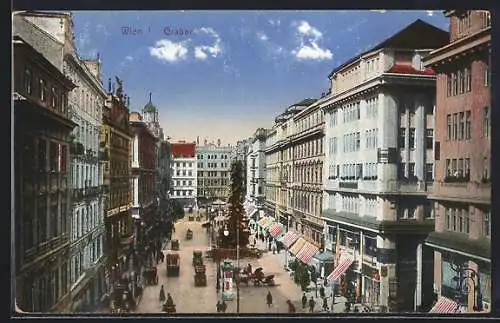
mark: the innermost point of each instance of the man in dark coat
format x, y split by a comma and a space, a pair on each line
269, 298
311, 305
325, 304
322, 291
291, 308
304, 300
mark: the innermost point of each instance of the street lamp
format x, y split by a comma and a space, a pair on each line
465, 279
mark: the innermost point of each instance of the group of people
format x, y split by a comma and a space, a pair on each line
169, 304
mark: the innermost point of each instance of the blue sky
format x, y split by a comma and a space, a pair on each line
236, 70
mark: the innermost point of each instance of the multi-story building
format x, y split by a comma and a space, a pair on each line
378, 167
462, 184
115, 153
144, 198
184, 188
305, 176
42, 130
256, 169
84, 108
85, 105
279, 167
213, 172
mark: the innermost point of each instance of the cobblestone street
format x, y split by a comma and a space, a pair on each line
191, 299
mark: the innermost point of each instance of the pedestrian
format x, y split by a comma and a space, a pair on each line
325, 305
162, 294
223, 306
311, 305
274, 249
254, 242
269, 299
322, 291
218, 306
269, 245
304, 300
291, 308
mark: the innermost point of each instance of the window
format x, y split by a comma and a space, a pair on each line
429, 172
455, 126
486, 168
467, 125
486, 19
28, 81
54, 157
448, 126
412, 138
411, 170
448, 84
43, 90
486, 75
486, 122
42, 219
54, 94
429, 138
460, 77
454, 84
487, 224
401, 170
448, 284
468, 79
402, 138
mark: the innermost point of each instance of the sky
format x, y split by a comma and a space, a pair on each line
223, 74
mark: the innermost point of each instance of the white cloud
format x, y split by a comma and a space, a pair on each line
379, 11
308, 38
262, 36
274, 22
199, 54
129, 58
169, 51
203, 51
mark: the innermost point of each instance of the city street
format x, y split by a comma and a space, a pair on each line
191, 299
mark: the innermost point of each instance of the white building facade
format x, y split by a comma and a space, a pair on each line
87, 254
379, 127
213, 172
184, 174
256, 169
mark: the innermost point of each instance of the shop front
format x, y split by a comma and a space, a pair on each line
370, 285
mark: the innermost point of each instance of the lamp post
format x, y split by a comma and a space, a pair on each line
465, 280
226, 233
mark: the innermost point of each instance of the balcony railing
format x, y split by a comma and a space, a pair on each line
87, 192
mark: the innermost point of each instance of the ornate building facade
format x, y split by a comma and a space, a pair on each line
213, 172
41, 167
256, 169
184, 168
379, 166
115, 153
461, 193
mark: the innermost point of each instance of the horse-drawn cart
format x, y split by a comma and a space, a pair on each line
257, 278
150, 276
197, 257
200, 276
174, 245
173, 264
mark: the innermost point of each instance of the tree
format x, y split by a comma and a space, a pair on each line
236, 220
177, 210
301, 276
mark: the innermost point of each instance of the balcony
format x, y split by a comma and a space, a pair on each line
87, 193
473, 192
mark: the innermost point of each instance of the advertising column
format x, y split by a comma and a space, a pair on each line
227, 281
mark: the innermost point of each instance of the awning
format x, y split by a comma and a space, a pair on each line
307, 252
251, 212
266, 222
297, 246
276, 229
344, 263
324, 256
290, 238
444, 305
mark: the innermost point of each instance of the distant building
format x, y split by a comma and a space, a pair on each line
256, 169
461, 193
184, 162
43, 182
213, 172
239, 153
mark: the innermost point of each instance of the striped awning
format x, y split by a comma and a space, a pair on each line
307, 252
265, 222
344, 263
297, 246
444, 305
276, 229
252, 211
290, 238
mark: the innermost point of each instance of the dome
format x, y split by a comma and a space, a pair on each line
149, 107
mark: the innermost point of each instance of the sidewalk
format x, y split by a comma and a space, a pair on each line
279, 259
